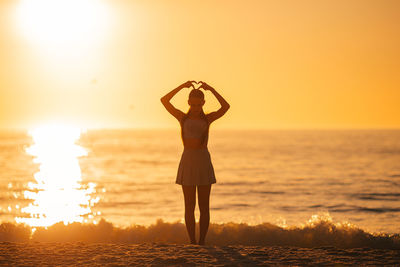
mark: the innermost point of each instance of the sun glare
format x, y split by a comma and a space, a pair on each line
63, 22
57, 194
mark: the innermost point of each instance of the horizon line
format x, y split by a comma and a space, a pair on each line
344, 128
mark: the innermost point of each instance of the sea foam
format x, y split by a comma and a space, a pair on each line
319, 231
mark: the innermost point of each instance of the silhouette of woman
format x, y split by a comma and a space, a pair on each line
195, 167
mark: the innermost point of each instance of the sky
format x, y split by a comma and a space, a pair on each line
280, 64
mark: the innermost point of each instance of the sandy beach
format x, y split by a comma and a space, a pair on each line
163, 254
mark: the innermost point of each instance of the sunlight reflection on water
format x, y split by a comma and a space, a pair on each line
57, 193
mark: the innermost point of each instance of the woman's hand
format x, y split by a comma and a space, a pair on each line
187, 84
205, 86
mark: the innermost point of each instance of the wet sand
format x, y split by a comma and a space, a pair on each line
163, 254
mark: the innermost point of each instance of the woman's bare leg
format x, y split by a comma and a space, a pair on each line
203, 192
189, 193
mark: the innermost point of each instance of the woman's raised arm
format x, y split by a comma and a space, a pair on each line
224, 105
165, 100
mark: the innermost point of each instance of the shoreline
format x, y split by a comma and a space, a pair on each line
321, 232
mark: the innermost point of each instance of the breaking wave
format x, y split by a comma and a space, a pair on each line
319, 231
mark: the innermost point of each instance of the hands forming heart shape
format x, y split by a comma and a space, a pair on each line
196, 85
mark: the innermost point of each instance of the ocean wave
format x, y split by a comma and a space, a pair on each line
352, 208
319, 231
378, 196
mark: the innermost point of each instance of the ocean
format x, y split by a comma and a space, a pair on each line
286, 178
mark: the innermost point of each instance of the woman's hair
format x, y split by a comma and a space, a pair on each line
198, 94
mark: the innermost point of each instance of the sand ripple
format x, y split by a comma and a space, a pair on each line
161, 254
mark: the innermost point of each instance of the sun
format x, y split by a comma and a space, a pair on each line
63, 22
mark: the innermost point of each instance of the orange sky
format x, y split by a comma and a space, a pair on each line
280, 64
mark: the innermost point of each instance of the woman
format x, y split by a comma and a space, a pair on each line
195, 167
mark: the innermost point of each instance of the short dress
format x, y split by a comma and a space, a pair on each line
195, 166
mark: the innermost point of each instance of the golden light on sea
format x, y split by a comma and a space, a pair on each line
57, 193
